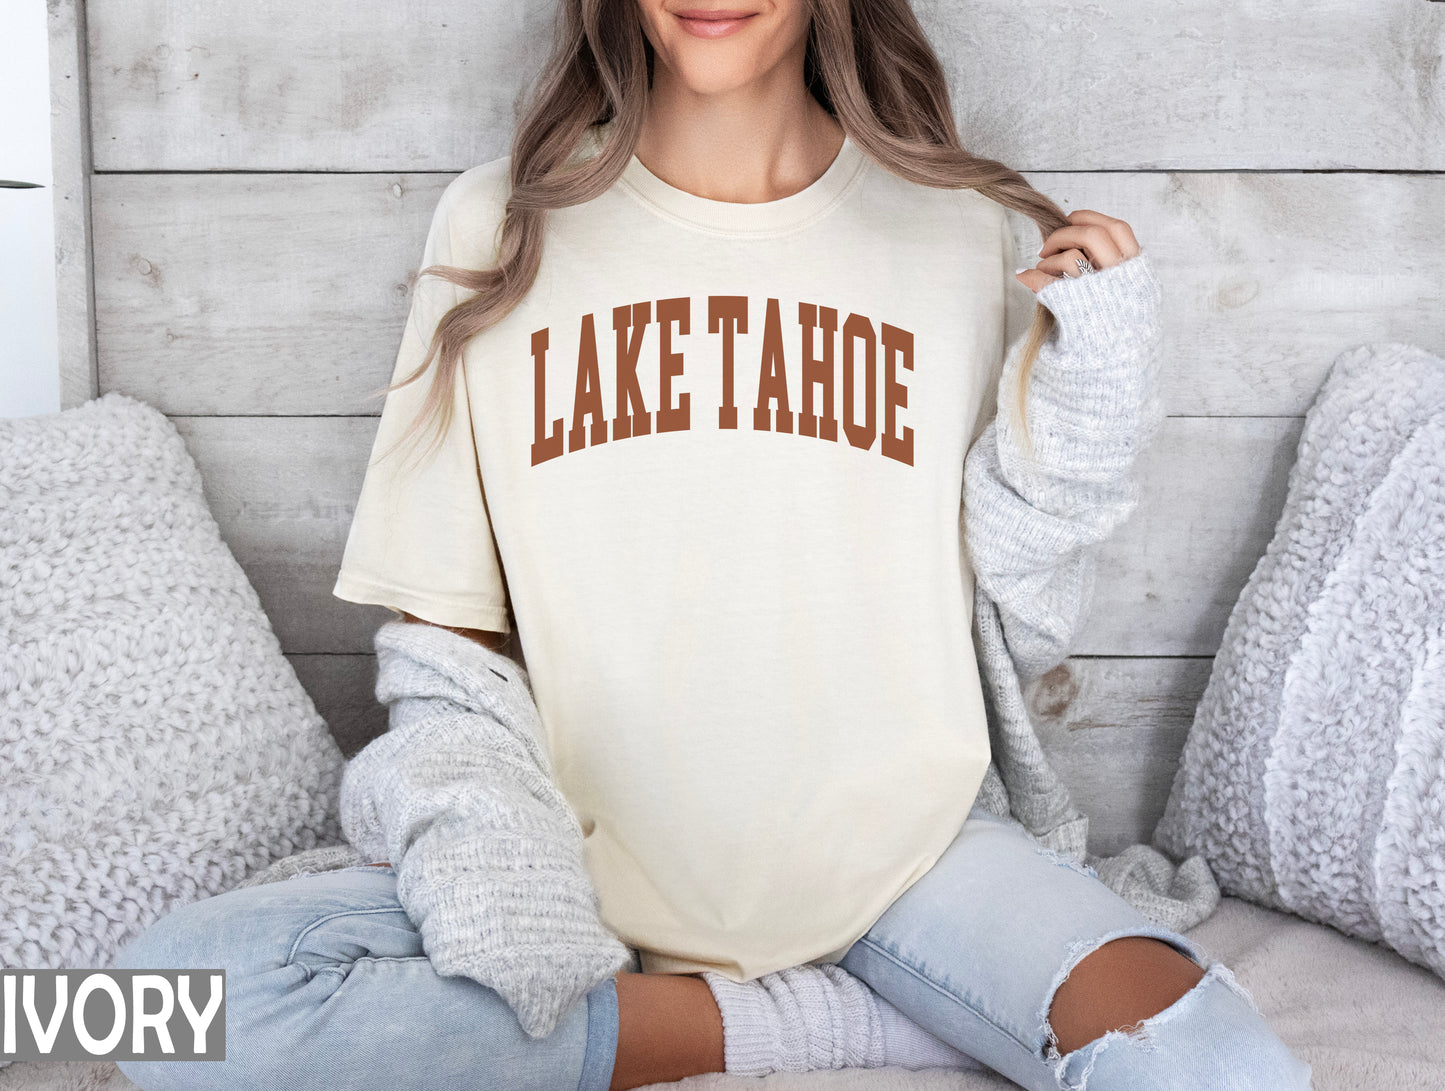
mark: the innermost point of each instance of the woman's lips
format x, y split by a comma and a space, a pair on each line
702, 23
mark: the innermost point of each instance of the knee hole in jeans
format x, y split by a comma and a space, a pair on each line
1117, 986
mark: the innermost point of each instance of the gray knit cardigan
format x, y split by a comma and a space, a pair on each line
1031, 525
459, 795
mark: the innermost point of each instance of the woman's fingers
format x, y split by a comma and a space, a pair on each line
1066, 264
1104, 240
1093, 241
1098, 239
1063, 264
1034, 279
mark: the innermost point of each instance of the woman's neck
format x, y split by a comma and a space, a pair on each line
730, 151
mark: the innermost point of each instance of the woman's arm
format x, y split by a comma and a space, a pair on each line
459, 795
487, 638
1032, 522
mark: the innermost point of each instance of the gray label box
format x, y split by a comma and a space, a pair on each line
124, 1015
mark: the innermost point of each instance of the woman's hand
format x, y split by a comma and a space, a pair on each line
1102, 240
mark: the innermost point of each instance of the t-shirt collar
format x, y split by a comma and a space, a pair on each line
741, 218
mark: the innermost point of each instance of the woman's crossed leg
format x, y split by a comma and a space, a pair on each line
327, 985
1022, 958
1010, 953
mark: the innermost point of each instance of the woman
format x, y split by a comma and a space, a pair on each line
731, 316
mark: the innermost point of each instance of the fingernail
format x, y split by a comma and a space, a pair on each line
1022, 269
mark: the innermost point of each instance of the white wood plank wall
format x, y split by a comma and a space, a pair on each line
263, 175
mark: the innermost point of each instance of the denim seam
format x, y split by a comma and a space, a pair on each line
291, 954
897, 961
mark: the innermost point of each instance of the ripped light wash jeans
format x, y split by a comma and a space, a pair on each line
327, 986
974, 951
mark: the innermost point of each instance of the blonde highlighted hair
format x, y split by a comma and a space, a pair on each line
868, 63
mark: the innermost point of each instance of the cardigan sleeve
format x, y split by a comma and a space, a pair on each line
459, 796
1032, 522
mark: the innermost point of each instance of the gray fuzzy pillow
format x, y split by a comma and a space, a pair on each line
156, 746
1313, 778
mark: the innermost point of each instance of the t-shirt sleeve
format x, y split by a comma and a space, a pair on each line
421, 539
1018, 316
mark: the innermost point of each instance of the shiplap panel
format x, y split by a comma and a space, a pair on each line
328, 85
1213, 489
283, 490
343, 688
1114, 730
1070, 84
255, 293
71, 173
1267, 277
280, 294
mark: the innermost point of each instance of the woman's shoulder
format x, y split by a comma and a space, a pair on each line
480, 191
972, 210
470, 211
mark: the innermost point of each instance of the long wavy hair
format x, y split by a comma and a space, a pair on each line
868, 63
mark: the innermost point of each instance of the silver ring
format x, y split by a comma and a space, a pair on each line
1085, 266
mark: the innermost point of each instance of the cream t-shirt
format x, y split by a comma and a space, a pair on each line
712, 467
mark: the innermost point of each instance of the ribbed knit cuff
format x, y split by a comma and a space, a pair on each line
1098, 309
1092, 398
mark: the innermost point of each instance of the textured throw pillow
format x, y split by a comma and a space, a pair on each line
1313, 778
155, 745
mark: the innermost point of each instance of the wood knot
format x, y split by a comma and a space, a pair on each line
1055, 691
